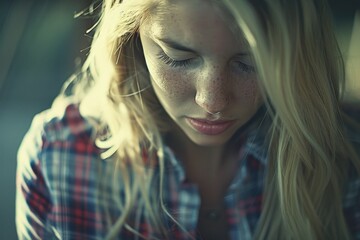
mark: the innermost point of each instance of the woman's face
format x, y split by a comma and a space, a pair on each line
199, 66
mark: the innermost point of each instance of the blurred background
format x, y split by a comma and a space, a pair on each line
41, 44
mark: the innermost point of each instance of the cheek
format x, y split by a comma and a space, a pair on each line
173, 84
248, 90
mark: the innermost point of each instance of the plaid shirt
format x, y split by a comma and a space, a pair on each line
64, 190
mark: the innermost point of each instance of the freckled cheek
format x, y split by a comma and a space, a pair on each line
173, 84
248, 90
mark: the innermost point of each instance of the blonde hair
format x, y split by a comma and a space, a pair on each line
301, 77
132, 116
301, 73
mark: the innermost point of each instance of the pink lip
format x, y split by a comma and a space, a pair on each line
209, 127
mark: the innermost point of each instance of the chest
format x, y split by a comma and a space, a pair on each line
220, 207
212, 224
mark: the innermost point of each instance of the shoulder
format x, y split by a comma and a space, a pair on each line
57, 138
61, 176
64, 122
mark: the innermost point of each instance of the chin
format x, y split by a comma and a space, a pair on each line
209, 141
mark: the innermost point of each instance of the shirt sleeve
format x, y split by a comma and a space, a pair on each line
33, 200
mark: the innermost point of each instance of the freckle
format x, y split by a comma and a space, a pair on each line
248, 90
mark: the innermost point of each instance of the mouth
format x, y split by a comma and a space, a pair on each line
208, 127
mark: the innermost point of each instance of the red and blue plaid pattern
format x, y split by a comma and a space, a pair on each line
65, 191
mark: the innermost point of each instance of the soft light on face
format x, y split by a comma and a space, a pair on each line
198, 66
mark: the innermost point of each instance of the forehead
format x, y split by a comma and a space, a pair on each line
189, 19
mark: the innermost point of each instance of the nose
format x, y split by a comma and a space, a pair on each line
212, 92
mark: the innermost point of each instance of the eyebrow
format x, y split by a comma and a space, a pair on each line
175, 45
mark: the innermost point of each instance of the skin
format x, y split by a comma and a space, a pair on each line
215, 74
218, 75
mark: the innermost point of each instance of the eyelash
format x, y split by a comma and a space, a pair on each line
245, 68
172, 62
184, 63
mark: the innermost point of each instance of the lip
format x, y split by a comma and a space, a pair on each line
208, 127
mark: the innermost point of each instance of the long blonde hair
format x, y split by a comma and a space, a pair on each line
301, 72
301, 77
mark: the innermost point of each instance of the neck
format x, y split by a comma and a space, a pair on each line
196, 157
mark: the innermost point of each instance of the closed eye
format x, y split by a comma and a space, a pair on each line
243, 67
172, 62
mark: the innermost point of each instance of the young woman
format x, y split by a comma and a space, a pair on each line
198, 119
